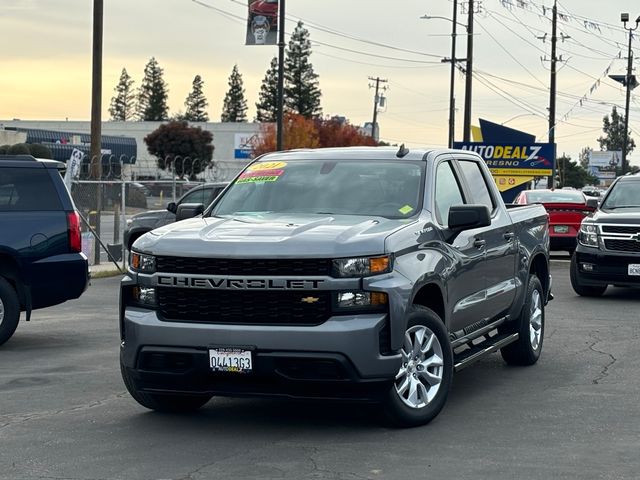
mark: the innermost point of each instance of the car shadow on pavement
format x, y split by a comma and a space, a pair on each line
256, 414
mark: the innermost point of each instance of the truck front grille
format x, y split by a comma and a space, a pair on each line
621, 229
244, 266
244, 307
622, 245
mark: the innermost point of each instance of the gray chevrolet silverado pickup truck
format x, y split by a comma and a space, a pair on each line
361, 273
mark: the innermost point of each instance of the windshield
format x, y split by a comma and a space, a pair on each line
623, 195
555, 196
347, 187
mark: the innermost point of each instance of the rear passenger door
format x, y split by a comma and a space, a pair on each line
466, 286
499, 240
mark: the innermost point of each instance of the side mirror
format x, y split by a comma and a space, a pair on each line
593, 203
466, 217
189, 210
172, 207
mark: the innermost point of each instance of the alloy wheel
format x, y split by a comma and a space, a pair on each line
420, 376
535, 320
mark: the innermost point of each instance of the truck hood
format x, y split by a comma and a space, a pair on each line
272, 235
617, 216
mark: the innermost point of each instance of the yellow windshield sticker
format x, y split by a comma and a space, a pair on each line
266, 166
406, 209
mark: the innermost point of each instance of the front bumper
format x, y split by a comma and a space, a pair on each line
338, 359
606, 267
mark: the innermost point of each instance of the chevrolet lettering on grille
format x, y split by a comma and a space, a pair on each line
238, 283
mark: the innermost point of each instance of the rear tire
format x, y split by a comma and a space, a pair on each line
9, 310
424, 379
163, 403
583, 290
530, 326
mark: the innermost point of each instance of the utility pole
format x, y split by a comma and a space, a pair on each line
551, 182
280, 108
96, 115
631, 83
96, 90
626, 106
452, 96
376, 100
466, 134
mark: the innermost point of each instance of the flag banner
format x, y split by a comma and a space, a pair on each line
73, 167
262, 22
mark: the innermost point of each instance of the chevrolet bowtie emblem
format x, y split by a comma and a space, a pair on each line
309, 299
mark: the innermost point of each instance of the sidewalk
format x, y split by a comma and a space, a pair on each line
105, 269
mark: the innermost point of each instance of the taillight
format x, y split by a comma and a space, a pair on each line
73, 225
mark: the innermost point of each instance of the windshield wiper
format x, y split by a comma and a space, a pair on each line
620, 206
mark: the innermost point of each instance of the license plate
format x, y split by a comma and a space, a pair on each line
236, 360
634, 269
561, 229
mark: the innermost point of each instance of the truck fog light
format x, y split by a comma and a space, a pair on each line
360, 299
587, 267
145, 296
354, 299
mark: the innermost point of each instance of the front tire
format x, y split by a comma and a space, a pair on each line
9, 310
583, 290
160, 402
530, 326
422, 384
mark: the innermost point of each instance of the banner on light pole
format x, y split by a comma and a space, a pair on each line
262, 22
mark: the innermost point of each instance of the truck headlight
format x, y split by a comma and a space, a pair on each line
588, 235
142, 263
361, 266
359, 299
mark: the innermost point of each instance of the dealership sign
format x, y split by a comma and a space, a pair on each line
533, 160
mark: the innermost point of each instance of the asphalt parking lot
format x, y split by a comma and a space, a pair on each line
64, 412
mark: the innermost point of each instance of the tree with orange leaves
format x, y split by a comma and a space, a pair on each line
301, 132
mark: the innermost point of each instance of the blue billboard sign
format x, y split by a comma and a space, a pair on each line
531, 159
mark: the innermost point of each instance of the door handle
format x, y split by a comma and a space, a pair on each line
479, 243
509, 236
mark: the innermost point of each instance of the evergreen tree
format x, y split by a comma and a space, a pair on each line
123, 102
613, 129
235, 105
196, 103
267, 106
584, 156
152, 95
301, 91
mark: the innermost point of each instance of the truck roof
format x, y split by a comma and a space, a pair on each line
361, 153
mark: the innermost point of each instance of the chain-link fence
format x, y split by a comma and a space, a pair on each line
108, 205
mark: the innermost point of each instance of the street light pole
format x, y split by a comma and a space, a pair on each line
280, 105
453, 60
628, 81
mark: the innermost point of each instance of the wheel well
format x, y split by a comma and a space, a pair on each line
134, 237
540, 268
10, 270
430, 296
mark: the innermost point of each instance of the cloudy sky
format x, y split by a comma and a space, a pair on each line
45, 66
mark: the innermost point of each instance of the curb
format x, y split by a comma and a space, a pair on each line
105, 273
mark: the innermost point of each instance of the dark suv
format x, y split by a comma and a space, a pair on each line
608, 250
41, 263
144, 222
